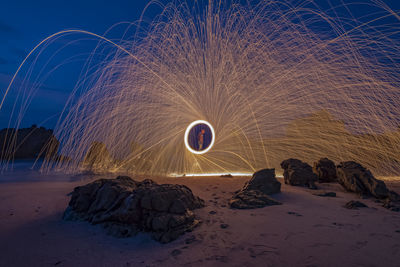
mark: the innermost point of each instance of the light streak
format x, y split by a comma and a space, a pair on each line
271, 86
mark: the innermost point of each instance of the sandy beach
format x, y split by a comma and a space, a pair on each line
307, 230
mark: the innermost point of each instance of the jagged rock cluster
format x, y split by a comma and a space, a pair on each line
125, 207
255, 193
351, 175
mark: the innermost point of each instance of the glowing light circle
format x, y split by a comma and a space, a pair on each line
191, 125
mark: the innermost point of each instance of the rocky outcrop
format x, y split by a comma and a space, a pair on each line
325, 169
298, 173
28, 143
255, 192
124, 207
98, 157
355, 178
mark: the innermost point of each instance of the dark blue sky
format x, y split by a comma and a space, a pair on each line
24, 23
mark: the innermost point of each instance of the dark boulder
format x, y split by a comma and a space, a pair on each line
255, 192
325, 169
264, 181
355, 178
298, 173
28, 143
124, 207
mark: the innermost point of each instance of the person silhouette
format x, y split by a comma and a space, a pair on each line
200, 139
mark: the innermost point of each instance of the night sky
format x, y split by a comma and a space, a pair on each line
23, 24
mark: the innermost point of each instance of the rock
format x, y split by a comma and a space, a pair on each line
264, 181
325, 169
191, 240
294, 213
224, 225
97, 158
124, 207
298, 173
393, 196
355, 178
176, 252
391, 205
353, 204
226, 175
254, 193
251, 199
326, 194
28, 143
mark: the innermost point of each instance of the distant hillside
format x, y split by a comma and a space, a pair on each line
27, 143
